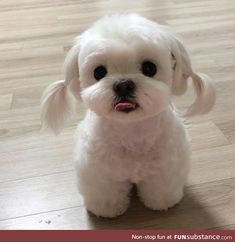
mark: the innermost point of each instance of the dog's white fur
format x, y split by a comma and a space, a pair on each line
147, 147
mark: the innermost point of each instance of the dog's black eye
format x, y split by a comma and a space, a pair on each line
100, 72
148, 68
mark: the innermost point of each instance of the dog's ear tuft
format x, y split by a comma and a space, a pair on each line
206, 95
57, 103
182, 71
56, 106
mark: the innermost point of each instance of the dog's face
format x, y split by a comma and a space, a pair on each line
125, 77
125, 67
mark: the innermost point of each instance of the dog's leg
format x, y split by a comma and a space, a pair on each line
104, 197
164, 187
161, 192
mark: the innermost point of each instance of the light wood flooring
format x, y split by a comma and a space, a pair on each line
37, 178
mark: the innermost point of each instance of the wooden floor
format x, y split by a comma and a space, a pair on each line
37, 178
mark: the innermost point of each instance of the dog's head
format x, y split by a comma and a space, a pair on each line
125, 67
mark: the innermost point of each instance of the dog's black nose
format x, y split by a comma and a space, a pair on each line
124, 87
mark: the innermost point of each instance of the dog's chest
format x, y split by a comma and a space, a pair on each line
133, 165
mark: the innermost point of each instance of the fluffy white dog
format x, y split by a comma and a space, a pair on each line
125, 69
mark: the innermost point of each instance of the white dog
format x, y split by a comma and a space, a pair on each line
125, 69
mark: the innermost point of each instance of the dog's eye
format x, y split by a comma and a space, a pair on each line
148, 68
100, 72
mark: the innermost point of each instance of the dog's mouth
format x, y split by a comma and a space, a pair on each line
125, 105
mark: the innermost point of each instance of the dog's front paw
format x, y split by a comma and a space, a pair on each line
161, 201
102, 196
108, 208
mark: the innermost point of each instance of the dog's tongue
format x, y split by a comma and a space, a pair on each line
124, 105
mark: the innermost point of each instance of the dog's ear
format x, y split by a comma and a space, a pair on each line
57, 102
182, 71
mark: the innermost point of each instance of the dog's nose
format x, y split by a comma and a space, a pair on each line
124, 87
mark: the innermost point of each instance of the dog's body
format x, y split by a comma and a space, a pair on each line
125, 69
153, 154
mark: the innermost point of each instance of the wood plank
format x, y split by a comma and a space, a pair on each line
27, 160
38, 194
228, 128
206, 135
212, 164
6, 101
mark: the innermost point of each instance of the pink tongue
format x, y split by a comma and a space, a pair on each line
124, 105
